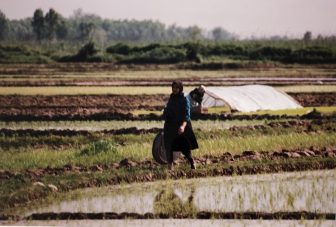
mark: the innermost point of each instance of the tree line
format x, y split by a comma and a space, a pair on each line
52, 26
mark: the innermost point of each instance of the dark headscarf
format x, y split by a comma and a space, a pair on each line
179, 84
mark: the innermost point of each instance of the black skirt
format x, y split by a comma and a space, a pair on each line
175, 142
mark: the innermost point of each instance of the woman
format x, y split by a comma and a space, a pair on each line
178, 133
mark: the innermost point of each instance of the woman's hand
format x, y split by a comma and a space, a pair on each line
181, 128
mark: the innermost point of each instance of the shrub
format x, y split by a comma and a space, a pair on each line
313, 54
87, 50
101, 146
230, 50
85, 54
272, 53
161, 55
21, 54
119, 48
148, 47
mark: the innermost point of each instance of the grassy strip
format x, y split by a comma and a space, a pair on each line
115, 124
138, 148
146, 74
325, 110
133, 90
19, 190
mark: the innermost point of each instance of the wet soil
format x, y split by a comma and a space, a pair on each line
303, 215
198, 215
105, 107
305, 126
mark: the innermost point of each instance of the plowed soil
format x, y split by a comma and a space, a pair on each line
228, 81
16, 107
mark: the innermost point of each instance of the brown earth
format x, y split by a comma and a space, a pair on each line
306, 126
285, 215
227, 81
302, 215
99, 107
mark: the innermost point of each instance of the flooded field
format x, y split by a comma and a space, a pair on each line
313, 191
76, 149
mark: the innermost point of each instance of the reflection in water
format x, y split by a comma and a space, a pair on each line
303, 191
167, 202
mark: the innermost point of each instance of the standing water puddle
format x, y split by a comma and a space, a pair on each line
313, 191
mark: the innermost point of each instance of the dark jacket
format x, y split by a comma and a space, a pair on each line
177, 111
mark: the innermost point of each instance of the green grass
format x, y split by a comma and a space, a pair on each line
138, 148
115, 124
308, 88
50, 72
75, 90
326, 110
265, 143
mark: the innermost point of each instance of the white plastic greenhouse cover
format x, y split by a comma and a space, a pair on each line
248, 98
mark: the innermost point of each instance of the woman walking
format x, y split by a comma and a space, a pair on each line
178, 133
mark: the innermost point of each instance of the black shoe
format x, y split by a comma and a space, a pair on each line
193, 165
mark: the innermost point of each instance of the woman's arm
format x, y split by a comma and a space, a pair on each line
186, 117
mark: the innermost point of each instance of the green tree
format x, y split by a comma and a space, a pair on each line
87, 50
52, 20
38, 24
194, 33
86, 29
62, 30
3, 25
307, 36
219, 33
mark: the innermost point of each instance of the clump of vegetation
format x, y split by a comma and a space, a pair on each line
101, 146
21, 54
87, 53
161, 55
204, 55
286, 52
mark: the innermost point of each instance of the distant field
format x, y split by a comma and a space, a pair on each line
295, 71
132, 90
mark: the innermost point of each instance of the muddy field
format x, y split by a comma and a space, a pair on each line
16, 107
43, 164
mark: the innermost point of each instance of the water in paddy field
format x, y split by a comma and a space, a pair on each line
312, 191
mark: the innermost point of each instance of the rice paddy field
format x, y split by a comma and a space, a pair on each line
76, 148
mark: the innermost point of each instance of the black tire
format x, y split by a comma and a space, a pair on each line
159, 151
